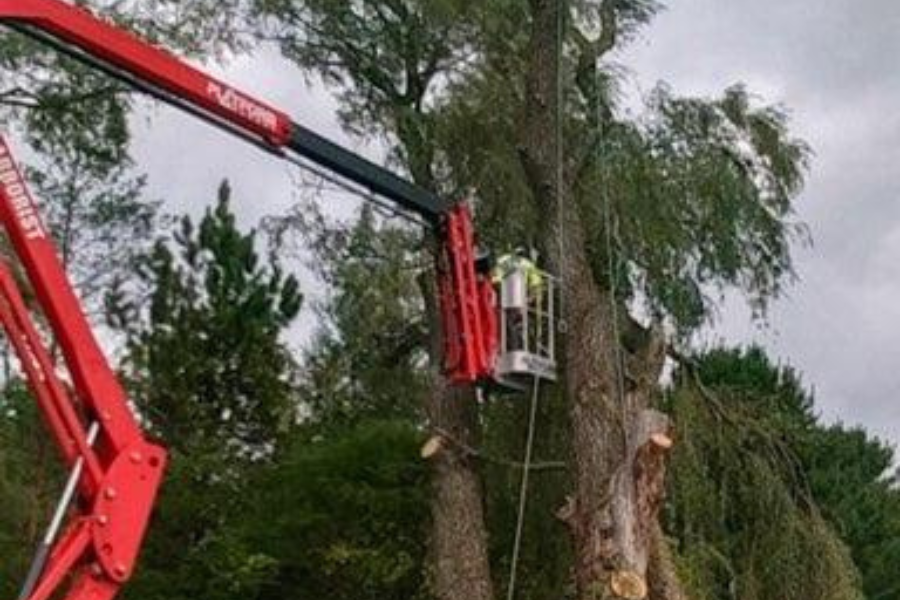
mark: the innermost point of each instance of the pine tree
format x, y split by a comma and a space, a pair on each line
212, 376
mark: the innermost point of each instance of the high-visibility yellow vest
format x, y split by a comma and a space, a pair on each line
510, 263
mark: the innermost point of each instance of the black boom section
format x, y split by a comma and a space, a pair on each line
367, 174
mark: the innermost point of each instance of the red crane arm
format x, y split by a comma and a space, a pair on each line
148, 65
92, 375
78, 32
115, 471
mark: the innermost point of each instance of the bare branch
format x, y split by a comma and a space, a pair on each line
476, 453
587, 70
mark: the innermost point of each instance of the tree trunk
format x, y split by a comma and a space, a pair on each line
459, 563
664, 581
618, 444
461, 569
460, 566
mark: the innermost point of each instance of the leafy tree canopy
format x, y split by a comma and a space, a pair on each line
344, 516
750, 510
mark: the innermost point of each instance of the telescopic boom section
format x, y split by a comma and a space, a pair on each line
77, 32
142, 65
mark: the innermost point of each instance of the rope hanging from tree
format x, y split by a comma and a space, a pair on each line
523, 490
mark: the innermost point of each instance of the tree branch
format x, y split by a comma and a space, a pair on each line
587, 69
475, 453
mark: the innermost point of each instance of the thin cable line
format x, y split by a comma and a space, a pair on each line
612, 267
523, 491
359, 192
560, 169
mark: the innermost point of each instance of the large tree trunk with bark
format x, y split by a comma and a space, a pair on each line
459, 562
461, 569
618, 443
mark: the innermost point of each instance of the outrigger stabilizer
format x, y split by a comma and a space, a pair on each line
95, 536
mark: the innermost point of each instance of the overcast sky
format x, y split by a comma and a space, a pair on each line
833, 63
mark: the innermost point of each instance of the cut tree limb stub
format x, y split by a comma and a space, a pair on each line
662, 441
628, 585
432, 447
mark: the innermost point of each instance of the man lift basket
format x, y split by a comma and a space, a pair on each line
526, 315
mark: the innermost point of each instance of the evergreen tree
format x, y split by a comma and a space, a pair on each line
211, 375
852, 476
205, 356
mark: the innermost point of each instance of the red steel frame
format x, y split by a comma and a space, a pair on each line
467, 303
118, 476
123, 471
150, 65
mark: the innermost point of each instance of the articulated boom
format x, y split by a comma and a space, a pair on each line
122, 55
114, 471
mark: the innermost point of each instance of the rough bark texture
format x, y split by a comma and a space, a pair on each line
618, 444
461, 570
460, 567
458, 554
664, 582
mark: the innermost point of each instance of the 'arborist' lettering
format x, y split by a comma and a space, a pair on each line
18, 197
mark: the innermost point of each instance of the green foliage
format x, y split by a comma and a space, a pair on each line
385, 58
742, 511
366, 358
27, 473
204, 350
74, 120
209, 372
345, 516
683, 199
852, 477
101, 225
545, 555
701, 194
195, 28
62, 107
194, 549
60, 103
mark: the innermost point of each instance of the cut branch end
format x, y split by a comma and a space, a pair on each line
432, 447
628, 585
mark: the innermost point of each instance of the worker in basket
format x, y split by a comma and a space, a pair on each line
521, 285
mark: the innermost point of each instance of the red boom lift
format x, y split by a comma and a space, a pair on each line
114, 472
